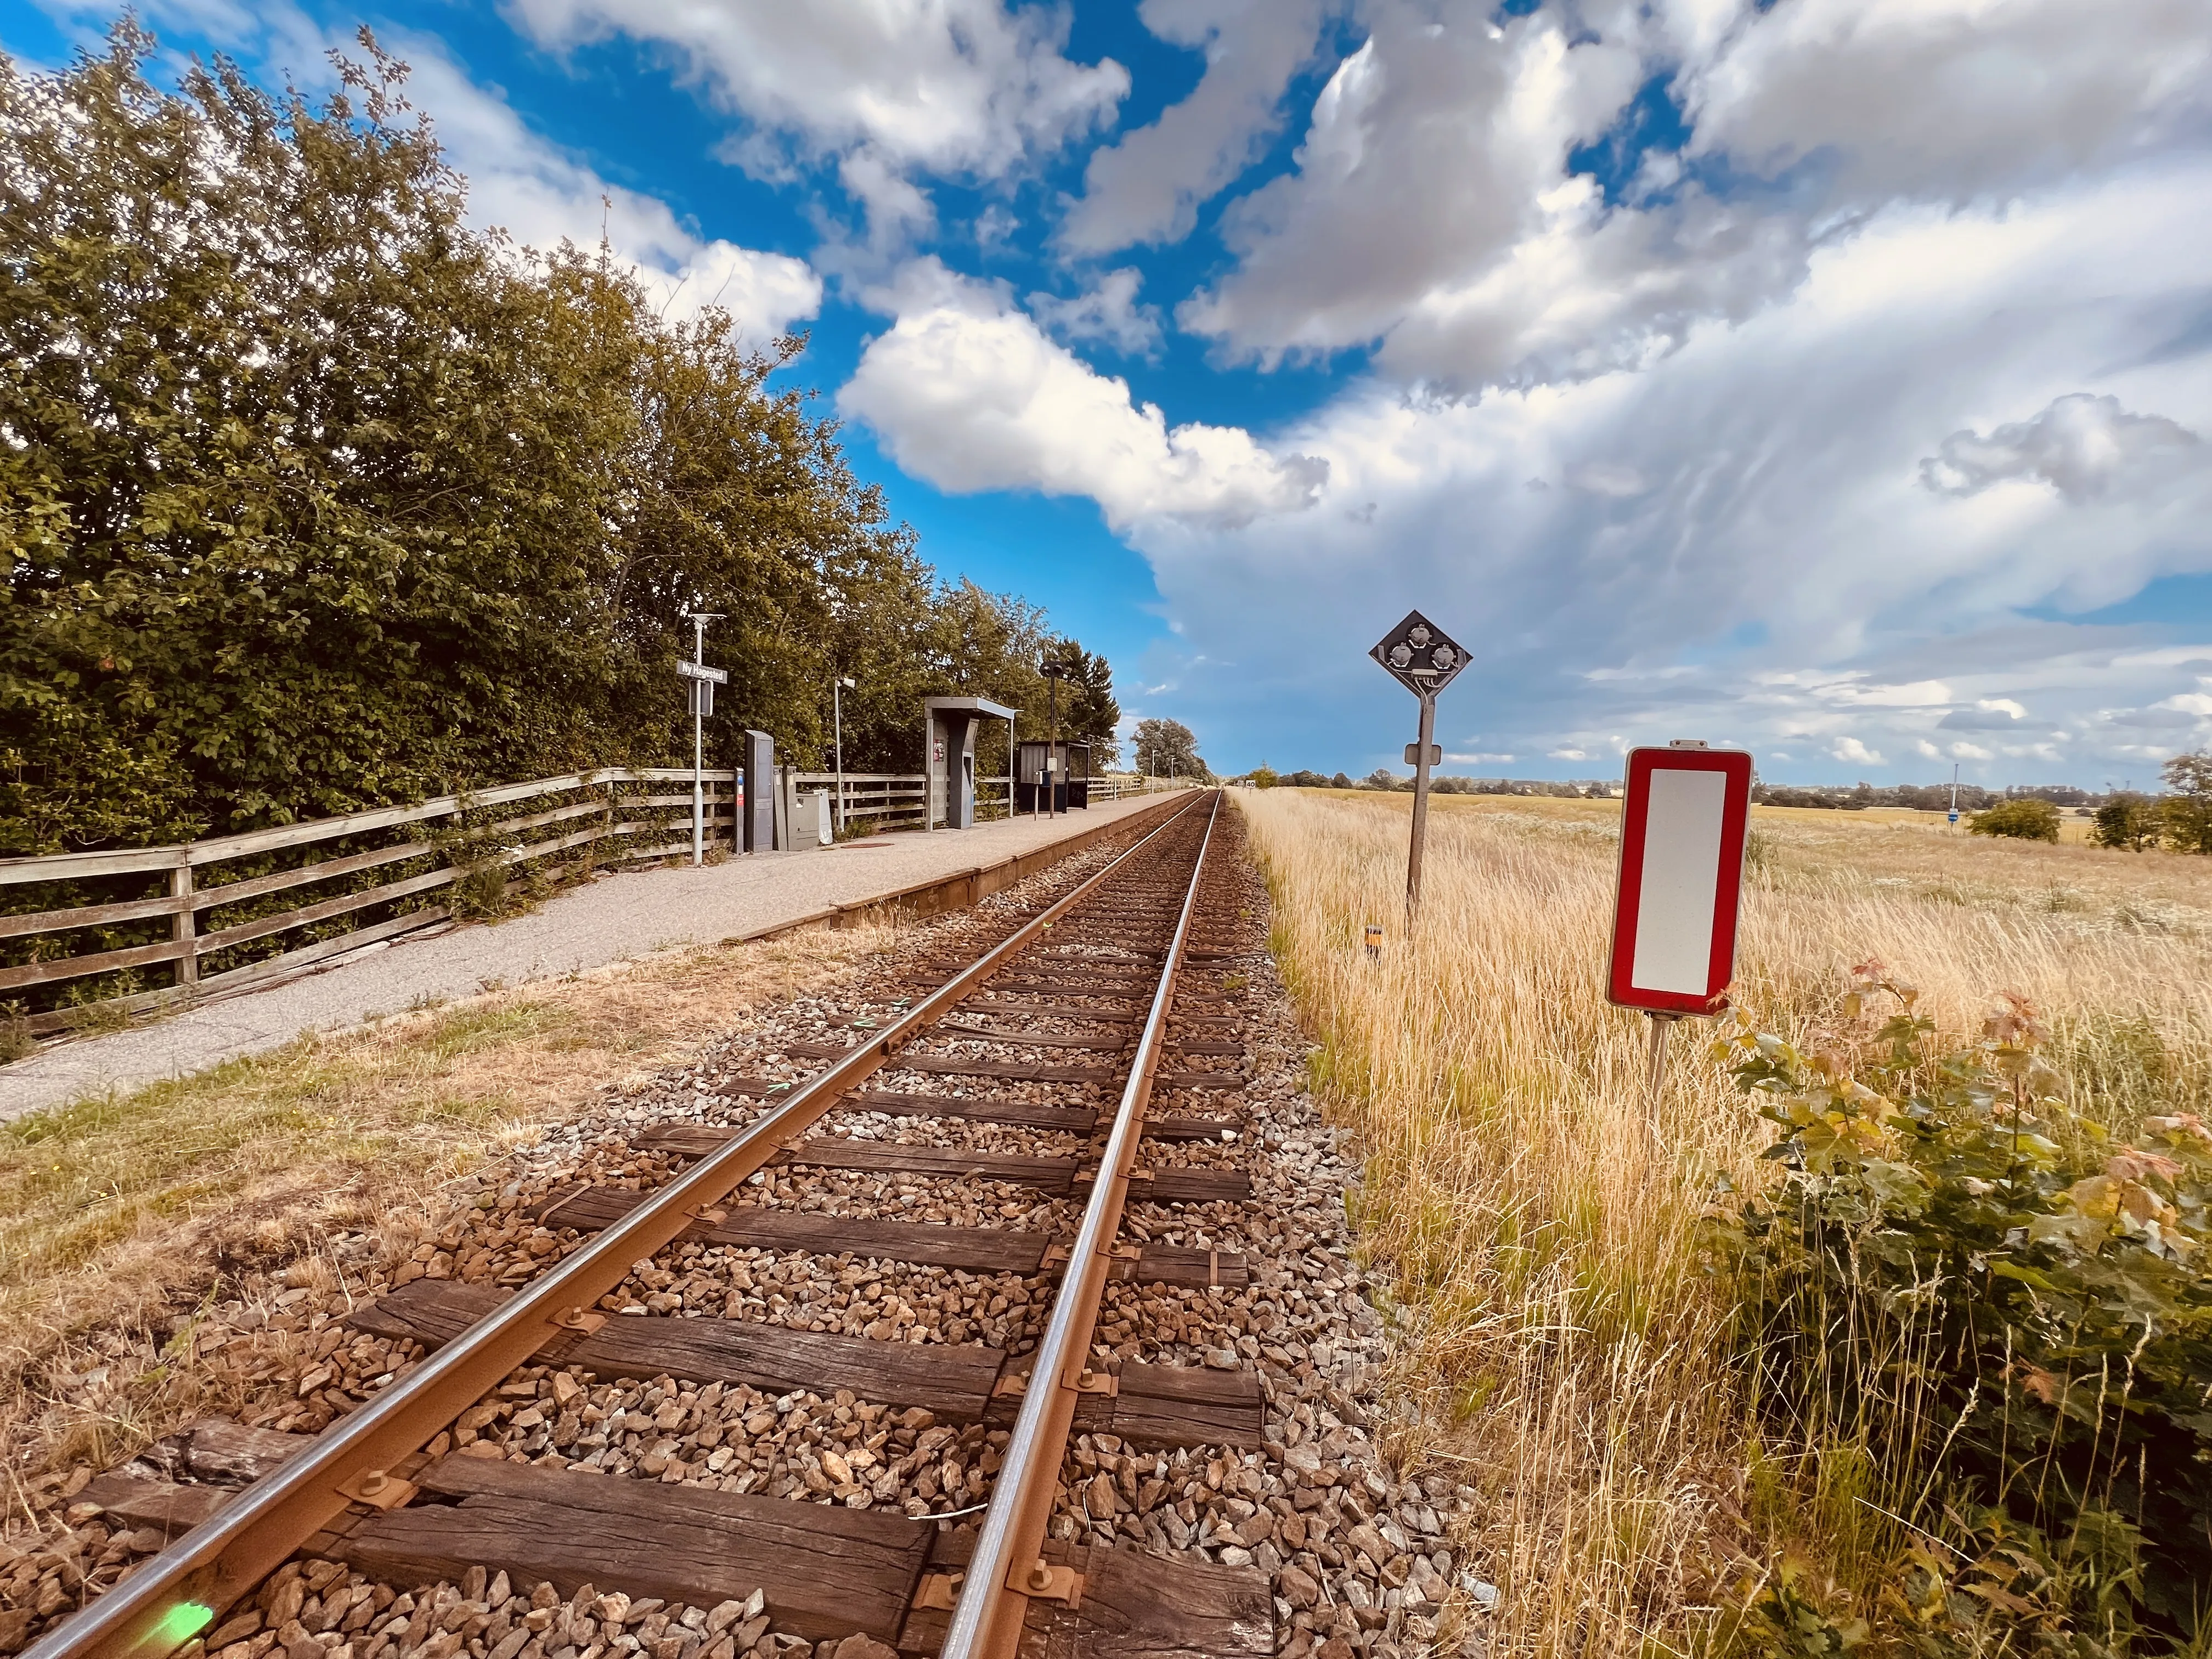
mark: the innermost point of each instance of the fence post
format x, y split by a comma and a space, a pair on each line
184, 925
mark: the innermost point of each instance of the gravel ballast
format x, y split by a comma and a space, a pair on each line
1362, 1558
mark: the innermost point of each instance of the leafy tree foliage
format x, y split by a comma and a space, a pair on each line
2028, 818
2128, 820
313, 497
1088, 711
2186, 810
1168, 749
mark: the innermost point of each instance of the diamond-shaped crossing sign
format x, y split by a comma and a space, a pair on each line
1419, 655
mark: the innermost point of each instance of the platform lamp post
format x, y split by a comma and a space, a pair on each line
703, 680
1418, 655
838, 687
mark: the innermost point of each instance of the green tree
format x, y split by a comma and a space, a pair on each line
1167, 749
2026, 818
2186, 812
315, 498
1089, 713
1264, 777
2128, 820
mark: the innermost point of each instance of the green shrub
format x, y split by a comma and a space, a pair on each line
2130, 821
2025, 819
2011, 1312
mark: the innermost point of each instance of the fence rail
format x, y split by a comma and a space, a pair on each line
81, 952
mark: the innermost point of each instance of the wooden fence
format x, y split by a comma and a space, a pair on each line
222, 914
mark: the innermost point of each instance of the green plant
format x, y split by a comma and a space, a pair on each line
2185, 814
2129, 821
2025, 819
1969, 1279
16, 1042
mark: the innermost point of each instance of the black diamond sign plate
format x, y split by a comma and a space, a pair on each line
1419, 655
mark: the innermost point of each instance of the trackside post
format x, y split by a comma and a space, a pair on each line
1418, 655
1686, 812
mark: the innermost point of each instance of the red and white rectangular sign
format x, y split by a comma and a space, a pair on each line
1681, 877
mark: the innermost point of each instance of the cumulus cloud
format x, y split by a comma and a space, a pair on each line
967, 87
1148, 187
1782, 579
2080, 445
1108, 312
966, 390
1434, 216
1852, 751
1943, 99
543, 196
1988, 715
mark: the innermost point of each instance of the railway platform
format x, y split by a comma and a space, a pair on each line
615, 918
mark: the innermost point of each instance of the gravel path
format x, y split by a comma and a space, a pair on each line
615, 918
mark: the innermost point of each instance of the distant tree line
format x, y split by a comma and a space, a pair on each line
315, 497
1383, 778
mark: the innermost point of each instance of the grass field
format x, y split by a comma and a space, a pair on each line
1571, 1349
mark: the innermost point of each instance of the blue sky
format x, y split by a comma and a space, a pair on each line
1827, 376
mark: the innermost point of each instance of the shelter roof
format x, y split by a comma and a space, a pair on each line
968, 706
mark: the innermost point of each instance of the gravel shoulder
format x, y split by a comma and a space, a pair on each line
615, 918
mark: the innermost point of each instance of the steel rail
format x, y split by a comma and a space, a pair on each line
1007, 1568
187, 1586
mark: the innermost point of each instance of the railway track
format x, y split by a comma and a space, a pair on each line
1065, 1033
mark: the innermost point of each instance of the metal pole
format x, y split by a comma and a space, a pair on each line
1656, 1079
837, 736
1421, 811
698, 746
1051, 743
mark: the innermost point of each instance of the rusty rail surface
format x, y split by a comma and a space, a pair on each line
1007, 1569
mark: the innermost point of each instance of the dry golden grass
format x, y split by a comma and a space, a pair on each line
112, 1210
1569, 1351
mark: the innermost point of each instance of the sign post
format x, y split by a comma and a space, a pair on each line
1418, 656
1685, 815
838, 688
703, 680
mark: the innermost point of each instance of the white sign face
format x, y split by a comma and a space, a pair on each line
1681, 868
692, 671
1685, 814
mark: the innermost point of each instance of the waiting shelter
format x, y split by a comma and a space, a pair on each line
1066, 763
949, 729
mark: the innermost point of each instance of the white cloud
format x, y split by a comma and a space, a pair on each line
949, 87
967, 392
1785, 575
1432, 214
1107, 312
1973, 751
542, 195
1148, 187
1568, 754
2080, 445
1941, 99
1852, 751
